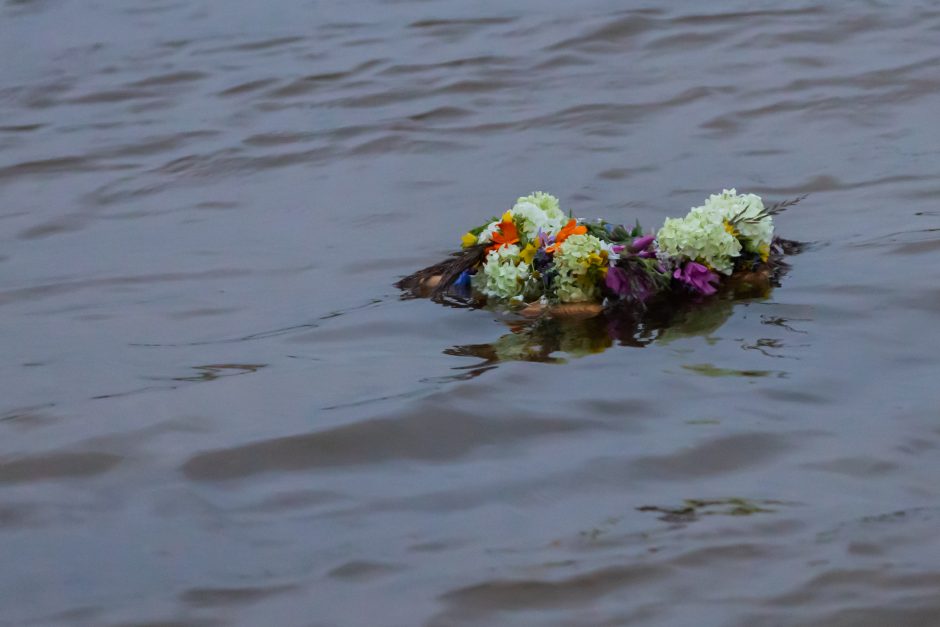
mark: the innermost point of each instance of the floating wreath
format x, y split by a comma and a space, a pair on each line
537, 257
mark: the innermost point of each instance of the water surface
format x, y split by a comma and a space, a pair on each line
216, 409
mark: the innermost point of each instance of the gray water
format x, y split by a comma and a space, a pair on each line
216, 410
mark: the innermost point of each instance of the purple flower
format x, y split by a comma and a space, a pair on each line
642, 243
643, 246
545, 240
624, 283
698, 277
617, 281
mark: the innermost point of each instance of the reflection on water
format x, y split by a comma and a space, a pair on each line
554, 339
542, 339
692, 509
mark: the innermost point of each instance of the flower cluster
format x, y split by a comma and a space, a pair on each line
715, 233
581, 263
537, 212
747, 216
534, 251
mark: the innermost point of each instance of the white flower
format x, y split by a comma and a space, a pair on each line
612, 257
744, 209
700, 236
530, 218
503, 274
547, 203
486, 235
714, 233
580, 262
536, 211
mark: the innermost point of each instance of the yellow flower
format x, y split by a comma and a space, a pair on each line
528, 253
597, 260
507, 217
468, 240
730, 228
764, 251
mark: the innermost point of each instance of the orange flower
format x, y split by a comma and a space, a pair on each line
566, 231
505, 235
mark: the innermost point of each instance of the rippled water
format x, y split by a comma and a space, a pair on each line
217, 410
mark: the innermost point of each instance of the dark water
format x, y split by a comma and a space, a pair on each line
216, 410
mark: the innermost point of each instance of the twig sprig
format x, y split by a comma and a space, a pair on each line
772, 210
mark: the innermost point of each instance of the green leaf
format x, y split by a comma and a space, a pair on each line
637, 230
479, 229
620, 234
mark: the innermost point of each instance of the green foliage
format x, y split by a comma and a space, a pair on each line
476, 231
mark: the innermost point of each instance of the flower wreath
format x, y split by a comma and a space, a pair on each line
536, 254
